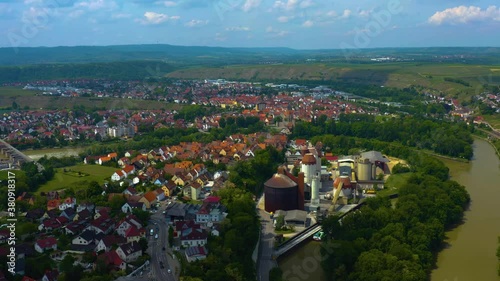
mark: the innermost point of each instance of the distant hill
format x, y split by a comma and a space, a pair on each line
219, 56
184, 55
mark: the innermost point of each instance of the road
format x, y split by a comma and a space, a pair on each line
157, 253
266, 247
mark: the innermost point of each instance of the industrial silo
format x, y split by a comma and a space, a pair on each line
364, 170
281, 193
316, 185
308, 167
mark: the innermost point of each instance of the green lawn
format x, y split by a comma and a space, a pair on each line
393, 183
71, 178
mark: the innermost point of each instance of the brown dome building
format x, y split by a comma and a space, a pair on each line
281, 193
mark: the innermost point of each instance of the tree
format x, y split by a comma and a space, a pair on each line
143, 216
275, 274
66, 264
280, 222
171, 236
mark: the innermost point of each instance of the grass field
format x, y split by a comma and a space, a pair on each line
494, 120
12, 92
428, 75
27, 98
393, 183
71, 178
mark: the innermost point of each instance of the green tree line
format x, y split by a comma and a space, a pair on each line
451, 139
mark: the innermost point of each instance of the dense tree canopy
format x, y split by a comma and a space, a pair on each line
452, 139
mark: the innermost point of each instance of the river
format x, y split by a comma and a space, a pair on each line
471, 247
471, 251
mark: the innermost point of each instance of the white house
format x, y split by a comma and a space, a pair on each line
129, 207
129, 252
117, 176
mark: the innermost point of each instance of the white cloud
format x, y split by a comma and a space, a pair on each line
276, 33
346, 14
463, 14
286, 5
37, 16
196, 23
306, 4
75, 14
308, 23
94, 5
250, 4
156, 18
364, 13
220, 37
331, 13
121, 16
167, 3
238, 28
285, 18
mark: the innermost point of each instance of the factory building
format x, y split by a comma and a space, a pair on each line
358, 173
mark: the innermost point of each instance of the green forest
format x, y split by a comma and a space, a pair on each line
451, 139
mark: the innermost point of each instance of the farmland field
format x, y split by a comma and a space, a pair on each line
77, 176
428, 75
12, 92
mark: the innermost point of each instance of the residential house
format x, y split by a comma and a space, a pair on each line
50, 275
112, 260
53, 204
76, 227
134, 234
129, 170
190, 233
210, 212
87, 205
149, 199
195, 190
26, 197
103, 159
107, 242
118, 175
126, 223
35, 215
82, 215
69, 213
160, 195
128, 207
69, 202
196, 253
130, 191
48, 243
87, 237
103, 224
101, 211
129, 252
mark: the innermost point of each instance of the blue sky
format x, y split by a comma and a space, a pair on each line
300, 24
